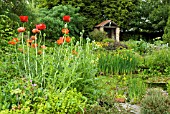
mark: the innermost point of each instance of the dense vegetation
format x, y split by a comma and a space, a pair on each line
53, 62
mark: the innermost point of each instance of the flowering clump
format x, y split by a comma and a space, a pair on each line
65, 31
14, 41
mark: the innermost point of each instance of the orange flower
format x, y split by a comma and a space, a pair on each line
35, 31
34, 45
29, 41
33, 38
65, 31
12, 42
43, 46
21, 29
15, 39
39, 52
59, 42
67, 39
61, 38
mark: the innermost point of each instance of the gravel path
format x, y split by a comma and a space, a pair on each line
133, 108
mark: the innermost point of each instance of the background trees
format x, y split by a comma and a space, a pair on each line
143, 18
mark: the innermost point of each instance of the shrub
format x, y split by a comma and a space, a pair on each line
7, 31
155, 103
53, 20
158, 61
109, 40
97, 35
115, 45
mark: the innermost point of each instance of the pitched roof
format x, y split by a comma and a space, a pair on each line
106, 22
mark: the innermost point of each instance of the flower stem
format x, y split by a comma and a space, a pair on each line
28, 59
23, 51
17, 60
43, 60
36, 67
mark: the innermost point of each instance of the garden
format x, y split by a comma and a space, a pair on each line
49, 65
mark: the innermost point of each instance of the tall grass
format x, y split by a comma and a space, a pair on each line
118, 62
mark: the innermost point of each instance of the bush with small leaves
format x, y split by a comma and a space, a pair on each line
97, 35
155, 102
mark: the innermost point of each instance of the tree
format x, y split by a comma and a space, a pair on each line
166, 35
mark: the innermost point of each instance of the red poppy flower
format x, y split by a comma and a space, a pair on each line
65, 31
15, 39
67, 39
66, 18
23, 18
41, 26
21, 29
34, 45
59, 42
12, 42
33, 38
35, 31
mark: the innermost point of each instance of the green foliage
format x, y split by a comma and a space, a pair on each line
7, 32
108, 40
155, 103
97, 35
136, 89
166, 36
21, 96
119, 62
7, 27
120, 11
115, 45
148, 15
168, 87
69, 102
158, 61
53, 20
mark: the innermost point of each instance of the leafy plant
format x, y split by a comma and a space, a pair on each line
7, 31
53, 20
155, 103
97, 35
158, 62
168, 87
136, 89
118, 62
